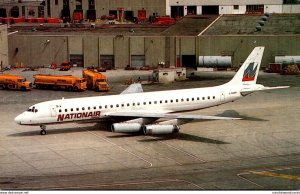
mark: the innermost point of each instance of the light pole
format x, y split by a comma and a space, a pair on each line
177, 9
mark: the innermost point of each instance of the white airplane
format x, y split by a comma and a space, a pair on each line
142, 110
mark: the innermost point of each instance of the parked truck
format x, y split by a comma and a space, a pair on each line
66, 82
95, 80
16, 82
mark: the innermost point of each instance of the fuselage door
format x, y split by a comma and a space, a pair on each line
53, 111
222, 96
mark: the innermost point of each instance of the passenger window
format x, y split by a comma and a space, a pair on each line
166, 101
149, 102
208, 97
171, 101
35, 110
187, 99
203, 98
155, 102
182, 100
94, 108
214, 97
71, 109
192, 99
145, 103
160, 101
198, 98
89, 108
117, 105
100, 107
133, 104
111, 106
128, 104
122, 105
82, 108
66, 110
138, 104
77, 109
176, 100
105, 106
59, 110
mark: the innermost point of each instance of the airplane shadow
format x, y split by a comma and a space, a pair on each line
36, 132
178, 136
233, 113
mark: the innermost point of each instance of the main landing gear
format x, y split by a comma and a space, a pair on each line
43, 131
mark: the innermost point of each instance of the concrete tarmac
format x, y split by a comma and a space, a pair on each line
262, 151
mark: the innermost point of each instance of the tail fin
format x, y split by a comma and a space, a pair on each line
247, 74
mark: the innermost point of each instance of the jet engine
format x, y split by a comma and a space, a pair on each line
160, 129
126, 127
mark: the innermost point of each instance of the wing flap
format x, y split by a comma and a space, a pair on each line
168, 116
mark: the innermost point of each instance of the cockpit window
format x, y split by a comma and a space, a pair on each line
33, 109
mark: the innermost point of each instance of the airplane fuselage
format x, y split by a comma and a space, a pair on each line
93, 108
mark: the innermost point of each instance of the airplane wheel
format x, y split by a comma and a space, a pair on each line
43, 132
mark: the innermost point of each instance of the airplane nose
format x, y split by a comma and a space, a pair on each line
18, 119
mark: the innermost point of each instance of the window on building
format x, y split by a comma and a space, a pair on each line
56, 2
91, 4
236, 7
79, 4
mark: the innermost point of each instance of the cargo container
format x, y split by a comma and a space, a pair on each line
8, 81
95, 80
65, 82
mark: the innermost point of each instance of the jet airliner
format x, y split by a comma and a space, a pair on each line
142, 110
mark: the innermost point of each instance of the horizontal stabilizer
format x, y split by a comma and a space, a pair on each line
246, 91
169, 116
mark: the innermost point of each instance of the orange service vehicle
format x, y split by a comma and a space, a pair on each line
95, 80
16, 82
65, 82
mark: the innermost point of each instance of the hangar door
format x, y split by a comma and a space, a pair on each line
189, 61
77, 60
2, 13
137, 61
210, 10
107, 61
177, 11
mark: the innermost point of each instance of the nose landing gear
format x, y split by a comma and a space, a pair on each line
43, 131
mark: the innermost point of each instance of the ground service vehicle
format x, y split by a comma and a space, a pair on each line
16, 82
67, 82
65, 66
95, 80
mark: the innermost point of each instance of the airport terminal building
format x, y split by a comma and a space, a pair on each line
209, 28
92, 9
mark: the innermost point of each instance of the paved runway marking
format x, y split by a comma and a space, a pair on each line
180, 150
128, 184
120, 147
278, 175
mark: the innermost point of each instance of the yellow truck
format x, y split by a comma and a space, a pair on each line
95, 80
66, 82
15, 82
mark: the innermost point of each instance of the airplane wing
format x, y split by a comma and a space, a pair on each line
168, 116
133, 88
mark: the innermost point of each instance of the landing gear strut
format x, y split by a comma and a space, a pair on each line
43, 131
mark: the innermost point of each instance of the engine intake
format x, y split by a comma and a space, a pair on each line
160, 129
126, 127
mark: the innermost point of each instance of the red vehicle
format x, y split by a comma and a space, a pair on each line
77, 16
65, 66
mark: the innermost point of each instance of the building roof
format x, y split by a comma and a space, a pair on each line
276, 24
